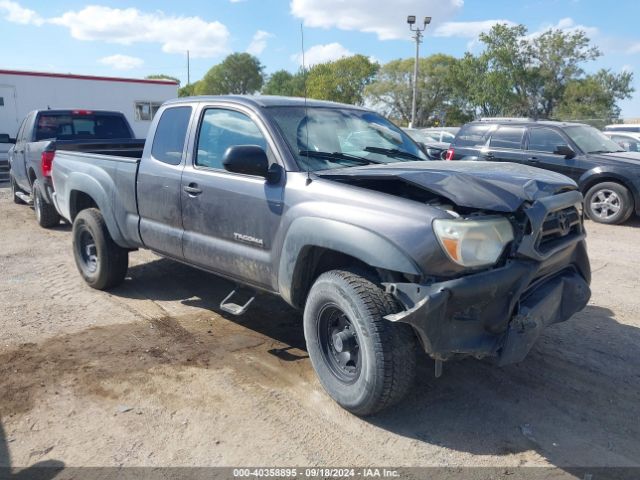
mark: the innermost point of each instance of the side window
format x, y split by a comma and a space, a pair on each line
507, 137
221, 129
170, 135
545, 140
471, 135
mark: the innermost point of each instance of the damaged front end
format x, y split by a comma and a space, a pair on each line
543, 278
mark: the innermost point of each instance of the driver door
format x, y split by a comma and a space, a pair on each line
230, 220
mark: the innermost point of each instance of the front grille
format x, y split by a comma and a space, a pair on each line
557, 226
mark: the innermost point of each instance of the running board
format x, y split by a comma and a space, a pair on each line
25, 198
233, 308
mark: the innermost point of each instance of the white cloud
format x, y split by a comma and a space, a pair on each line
322, 54
467, 29
121, 62
258, 42
635, 48
385, 18
130, 25
16, 13
566, 24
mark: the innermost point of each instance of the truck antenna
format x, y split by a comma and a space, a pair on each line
306, 117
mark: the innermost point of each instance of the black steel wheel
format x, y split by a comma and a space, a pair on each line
101, 262
364, 362
339, 342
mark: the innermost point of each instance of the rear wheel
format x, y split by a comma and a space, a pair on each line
608, 202
14, 191
101, 262
46, 214
364, 362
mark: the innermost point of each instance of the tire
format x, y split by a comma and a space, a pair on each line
46, 214
14, 190
609, 203
100, 261
364, 362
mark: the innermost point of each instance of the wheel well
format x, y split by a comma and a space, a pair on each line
32, 176
80, 201
313, 261
594, 181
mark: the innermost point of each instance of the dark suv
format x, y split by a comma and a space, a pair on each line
608, 176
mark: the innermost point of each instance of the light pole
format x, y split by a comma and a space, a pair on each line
411, 20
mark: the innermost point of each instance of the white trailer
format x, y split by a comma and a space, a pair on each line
22, 92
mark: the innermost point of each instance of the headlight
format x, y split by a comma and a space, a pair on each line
473, 243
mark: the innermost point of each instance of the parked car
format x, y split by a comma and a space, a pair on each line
434, 150
608, 176
441, 134
382, 250
43, 132
623, 127
630, 141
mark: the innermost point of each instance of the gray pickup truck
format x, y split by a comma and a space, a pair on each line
337, 211
43, 132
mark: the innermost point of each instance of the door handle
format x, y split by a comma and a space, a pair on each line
533, 159
192, 189
488, 155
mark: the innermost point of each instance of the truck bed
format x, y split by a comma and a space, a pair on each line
121, 148
109, 180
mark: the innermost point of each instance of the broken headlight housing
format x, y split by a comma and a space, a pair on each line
473, 242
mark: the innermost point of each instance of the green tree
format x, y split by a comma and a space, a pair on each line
285, 83
523, 75
342, 80
162, 76
188, 90
594, 97
392, 90
239, 73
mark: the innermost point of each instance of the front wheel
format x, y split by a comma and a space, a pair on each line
609, 203
101, 262
46, 214
364, 362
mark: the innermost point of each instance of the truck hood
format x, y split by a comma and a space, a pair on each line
500, 187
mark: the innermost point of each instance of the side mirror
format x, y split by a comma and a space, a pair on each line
246, 159
5, 138
565, 150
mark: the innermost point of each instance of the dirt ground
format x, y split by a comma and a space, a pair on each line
153, 374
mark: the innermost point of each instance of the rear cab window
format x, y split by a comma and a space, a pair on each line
81, 125
170, 135
472, 134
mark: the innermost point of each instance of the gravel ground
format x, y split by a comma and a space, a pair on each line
153, 374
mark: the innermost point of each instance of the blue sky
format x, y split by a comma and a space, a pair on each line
135, 38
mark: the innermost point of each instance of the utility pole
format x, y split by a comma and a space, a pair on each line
411, 20
188, 70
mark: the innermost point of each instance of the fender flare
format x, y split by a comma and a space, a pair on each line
345, 238
84, 183
620, 175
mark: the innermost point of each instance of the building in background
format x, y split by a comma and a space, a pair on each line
22, 92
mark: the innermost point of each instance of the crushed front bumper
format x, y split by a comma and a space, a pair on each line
501, 312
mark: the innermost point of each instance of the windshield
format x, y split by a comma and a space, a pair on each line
590, 140
324, 138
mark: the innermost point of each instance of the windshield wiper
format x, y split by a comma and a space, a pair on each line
608, 151
392, 152
337, 156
